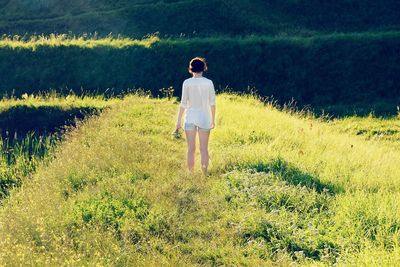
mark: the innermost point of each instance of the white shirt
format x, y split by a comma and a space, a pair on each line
198, 95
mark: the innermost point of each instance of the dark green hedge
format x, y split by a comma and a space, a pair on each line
319, 70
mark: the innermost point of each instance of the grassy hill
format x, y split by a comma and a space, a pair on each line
283, 188
137, 18
318, 70
318, 53
32, 126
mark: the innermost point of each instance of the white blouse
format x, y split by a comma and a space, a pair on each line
198, 95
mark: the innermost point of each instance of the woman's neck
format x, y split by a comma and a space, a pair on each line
198, 75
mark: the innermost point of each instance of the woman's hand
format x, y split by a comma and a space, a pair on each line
212, 125
178, 125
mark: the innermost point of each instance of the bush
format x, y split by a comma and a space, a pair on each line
318, 70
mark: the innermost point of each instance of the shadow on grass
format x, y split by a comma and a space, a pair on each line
18, 121
28, 134
294, 176
377, 109
298, 207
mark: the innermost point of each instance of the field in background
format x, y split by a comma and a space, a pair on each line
317, 53
320, 70
137, 18
284, 187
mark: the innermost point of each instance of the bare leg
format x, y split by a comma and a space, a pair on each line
191, 143
203, 138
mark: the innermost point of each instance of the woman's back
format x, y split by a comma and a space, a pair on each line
198, 93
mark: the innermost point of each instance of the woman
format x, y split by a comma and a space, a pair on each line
198, 99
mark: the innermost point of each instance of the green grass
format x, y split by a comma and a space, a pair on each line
375, 108
385, 131
175, 17
32, 42
47, 112
55, 99
324, 69
32, 126
284, 187
20, 158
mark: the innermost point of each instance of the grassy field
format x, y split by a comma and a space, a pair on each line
90, 174
385, 131
32, 126
136, 18
284, 187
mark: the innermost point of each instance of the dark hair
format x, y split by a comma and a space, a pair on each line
197, 64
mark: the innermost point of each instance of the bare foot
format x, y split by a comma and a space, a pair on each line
204, 170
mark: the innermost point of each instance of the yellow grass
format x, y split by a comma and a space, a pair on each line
54, 40
283, 188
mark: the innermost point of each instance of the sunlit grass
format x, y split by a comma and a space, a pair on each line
93, 41
385, 131
52, 98
284, 187
23, 149
83, 41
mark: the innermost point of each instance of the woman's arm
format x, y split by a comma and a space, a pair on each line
179, 120
212, 104
182, 107
212, 117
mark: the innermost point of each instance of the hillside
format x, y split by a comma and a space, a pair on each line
137, 18
283, 188
32, 126
321, 70
316, 52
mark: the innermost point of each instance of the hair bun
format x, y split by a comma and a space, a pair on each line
197, 64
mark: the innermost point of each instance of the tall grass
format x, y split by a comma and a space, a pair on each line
284, 188
20, 158
32, 126
29, 146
